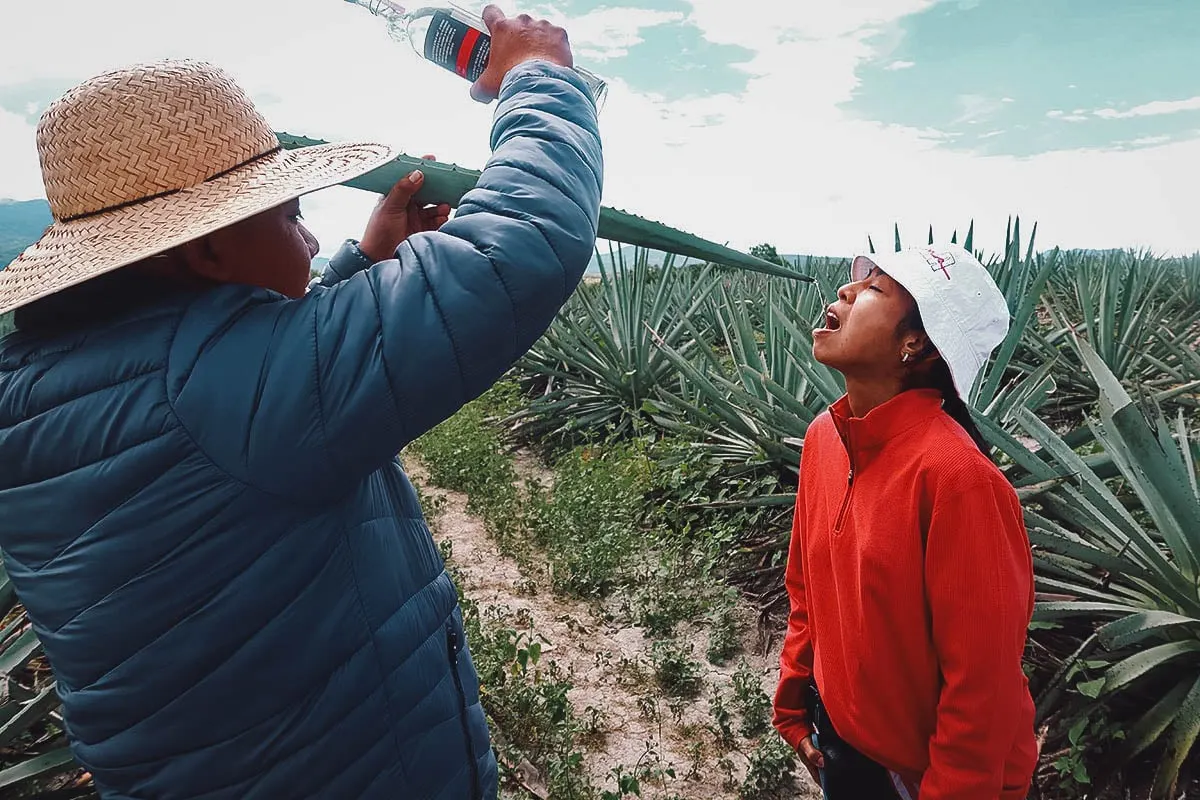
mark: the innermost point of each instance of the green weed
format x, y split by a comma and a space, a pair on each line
722, 719
751, 701
772, 770
676, 672
587, 523
722, 633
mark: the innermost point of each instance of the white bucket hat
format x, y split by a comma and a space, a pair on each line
140, 160
965, 314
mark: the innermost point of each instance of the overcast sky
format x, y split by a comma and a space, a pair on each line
807, 124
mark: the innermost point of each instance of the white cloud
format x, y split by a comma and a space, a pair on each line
1078, 115
782, 162
899, 65
975, 108
1152, 109
1147, 141
20, 173
608, 33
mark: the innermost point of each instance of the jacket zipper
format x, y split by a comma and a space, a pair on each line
841, 517
452, 645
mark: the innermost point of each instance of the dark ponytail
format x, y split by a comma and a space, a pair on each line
953, 404
938, 377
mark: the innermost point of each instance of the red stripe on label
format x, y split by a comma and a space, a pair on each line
464, 52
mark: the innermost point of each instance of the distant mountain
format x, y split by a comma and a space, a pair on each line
21, 224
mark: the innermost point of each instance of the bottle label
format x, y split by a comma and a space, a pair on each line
457, 46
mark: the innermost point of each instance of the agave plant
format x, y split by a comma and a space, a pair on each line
32, 737
1130, 308
1129, 567
598, 359
754, 404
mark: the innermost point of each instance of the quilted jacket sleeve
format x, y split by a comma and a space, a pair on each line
293, 395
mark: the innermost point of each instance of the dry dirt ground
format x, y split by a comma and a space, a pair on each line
609, 666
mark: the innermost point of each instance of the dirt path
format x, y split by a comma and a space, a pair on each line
610, 666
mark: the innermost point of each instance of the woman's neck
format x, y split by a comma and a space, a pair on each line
864, 396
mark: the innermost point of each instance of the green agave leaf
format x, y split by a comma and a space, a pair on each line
447, 183
42, 766
1099, 592
1088, 554
995, 433
1165, 493
1111, 514
1023, 310
19, 653
1061, 609
1184, 730
1143, 625
1189, 464
1154, 722
8, 593
1053, 689
1136, 666
31, 713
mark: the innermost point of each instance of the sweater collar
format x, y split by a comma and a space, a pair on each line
902, 412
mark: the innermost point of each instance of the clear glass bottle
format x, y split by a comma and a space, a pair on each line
453, 38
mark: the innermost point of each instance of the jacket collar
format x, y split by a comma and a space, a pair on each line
865, 435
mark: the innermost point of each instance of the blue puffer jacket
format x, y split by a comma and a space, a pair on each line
202, 509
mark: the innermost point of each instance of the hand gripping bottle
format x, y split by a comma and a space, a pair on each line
453, 38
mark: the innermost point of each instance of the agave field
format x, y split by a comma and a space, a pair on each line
1090, 406
670, 402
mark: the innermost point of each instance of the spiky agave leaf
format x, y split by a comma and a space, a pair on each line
599, 357
1129, 309
1135, 575
32, 732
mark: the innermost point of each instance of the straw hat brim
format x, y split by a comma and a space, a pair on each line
69, 253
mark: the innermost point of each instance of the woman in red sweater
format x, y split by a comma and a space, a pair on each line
909, 571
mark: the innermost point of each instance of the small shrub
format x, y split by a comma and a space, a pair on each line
677, 673
751, 701
587, 522
525, 699
722, 632
772, 770
722, 724
665, 597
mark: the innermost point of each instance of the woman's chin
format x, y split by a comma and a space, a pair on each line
822, 347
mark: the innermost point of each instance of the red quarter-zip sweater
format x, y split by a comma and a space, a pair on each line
911, 587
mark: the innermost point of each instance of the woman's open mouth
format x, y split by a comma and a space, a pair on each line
832, 323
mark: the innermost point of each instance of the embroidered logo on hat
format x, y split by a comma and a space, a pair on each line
938, 261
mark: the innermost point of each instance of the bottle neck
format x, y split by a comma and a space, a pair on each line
386, 8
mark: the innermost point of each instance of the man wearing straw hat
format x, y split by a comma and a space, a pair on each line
200, 502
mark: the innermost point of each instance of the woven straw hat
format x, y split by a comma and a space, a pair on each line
140, 160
